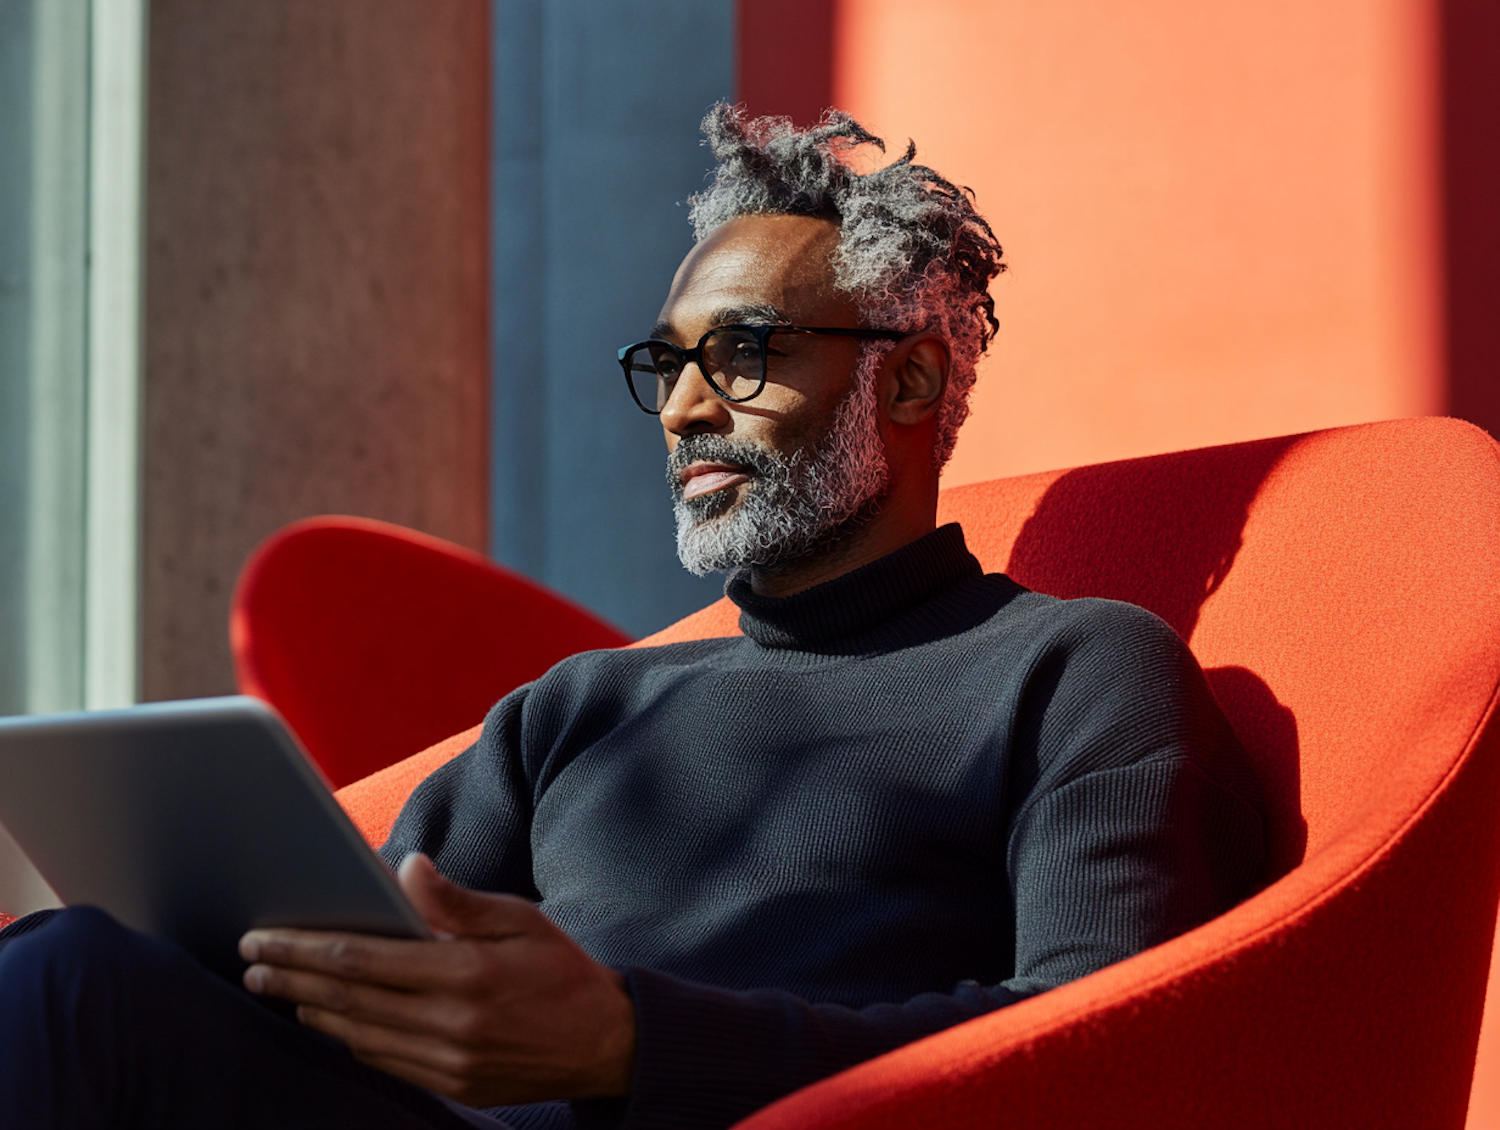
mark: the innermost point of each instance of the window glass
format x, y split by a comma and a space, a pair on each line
44, 54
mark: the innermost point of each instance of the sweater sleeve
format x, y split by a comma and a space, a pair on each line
1132, 819
473, 815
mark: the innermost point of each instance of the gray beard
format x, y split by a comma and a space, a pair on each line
794, 506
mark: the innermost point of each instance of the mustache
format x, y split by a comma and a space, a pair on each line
703, 448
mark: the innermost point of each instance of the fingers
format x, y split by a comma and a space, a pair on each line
429, 892
450, 910
333, 995
353, 957
512, 1011
439, 1082
456, 911
360, 959
418, 1057
505, 1089
438, 1033
419, 1049
445, 1046
398, 962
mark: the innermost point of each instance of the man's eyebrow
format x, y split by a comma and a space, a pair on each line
753, 314
756, 314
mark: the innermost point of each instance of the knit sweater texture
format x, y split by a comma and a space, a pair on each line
906, 797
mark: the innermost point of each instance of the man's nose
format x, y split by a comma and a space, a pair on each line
693, 406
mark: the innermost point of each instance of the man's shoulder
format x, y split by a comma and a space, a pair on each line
1087, 650
1086, 621
1110, 685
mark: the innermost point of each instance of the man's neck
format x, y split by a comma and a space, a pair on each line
886, 533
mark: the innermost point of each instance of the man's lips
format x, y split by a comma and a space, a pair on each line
704, 478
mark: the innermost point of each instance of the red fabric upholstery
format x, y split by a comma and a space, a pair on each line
1343, 591
374, 802
373, 640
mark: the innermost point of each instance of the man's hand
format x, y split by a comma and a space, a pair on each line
503, 1008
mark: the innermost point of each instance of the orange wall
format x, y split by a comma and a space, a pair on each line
1221, 218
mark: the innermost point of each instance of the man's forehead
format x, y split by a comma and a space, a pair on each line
755, 268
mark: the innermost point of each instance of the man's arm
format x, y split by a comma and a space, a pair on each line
507, 1009
472, 816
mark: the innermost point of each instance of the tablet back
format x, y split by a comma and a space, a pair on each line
192, 820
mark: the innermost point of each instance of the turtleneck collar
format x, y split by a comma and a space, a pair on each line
856, 602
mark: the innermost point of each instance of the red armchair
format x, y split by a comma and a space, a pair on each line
1342, 589
373, 640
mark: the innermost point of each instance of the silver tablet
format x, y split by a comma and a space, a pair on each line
192, 820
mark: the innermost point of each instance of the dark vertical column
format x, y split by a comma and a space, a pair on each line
518, 531
1471, 206
316, 291
784, 57
597, 149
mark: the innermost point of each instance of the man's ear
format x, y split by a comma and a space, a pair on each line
916, 376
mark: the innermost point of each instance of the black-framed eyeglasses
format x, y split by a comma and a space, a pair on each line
732, 359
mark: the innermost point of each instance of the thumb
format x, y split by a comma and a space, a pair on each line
453, 911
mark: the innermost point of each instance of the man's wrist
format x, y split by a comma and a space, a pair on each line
616, 1058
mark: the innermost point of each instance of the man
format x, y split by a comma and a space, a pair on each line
672, 884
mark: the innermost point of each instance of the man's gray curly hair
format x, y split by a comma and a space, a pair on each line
913, 253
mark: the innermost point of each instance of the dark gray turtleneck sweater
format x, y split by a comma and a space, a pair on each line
906, 797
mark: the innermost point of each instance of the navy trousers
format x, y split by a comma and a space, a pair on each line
103, 1027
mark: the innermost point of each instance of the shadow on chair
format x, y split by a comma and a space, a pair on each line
1162, 533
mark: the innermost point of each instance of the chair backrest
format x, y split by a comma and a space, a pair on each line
335, 616
1340, 588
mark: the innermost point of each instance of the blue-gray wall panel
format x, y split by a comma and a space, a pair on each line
581, 267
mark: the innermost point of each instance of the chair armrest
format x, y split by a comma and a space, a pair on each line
374, 641
374, 802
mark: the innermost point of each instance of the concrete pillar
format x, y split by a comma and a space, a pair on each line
316, 291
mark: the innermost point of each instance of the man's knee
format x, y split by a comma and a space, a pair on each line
72, 948
74, 930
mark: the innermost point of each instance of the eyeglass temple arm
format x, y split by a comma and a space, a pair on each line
845, 331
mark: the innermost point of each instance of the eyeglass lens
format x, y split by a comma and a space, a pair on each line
732, 359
